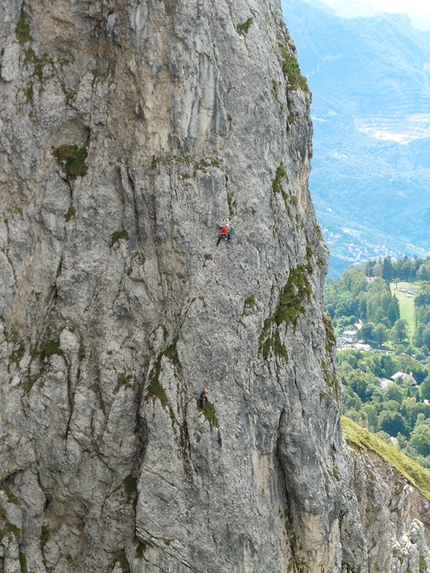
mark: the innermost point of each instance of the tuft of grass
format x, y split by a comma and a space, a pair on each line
51, 347
123, 561
277, 183
242, 29
208, 257
71, 159
209, 413
275, 87
273, 343
71, 212
331, 380
231, 205
155, 389
124, 380
291, 69
22, 29
29, 94
23, 562
172, 354
329, 333
11, 497
37, 62
115, 237
9, 528
16, 355
250, 301
290, 306
130, 485
408, 468
81, 352
44, 536
296, 291
139, 551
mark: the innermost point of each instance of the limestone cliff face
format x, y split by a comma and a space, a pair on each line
395, 516
128, 130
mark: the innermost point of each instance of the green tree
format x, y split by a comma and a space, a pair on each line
411, 410
425, 388
363, 383
352, 401
366, 331
422, 296
380, 334
400, 330
418, 338
393, 392
420, 439
377, 270
387, 269
391, 422
423, 273
371, 415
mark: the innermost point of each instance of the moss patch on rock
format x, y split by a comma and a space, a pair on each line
6, 526
22, 29
280, 174
130, 485
11, 497
123, 562
329, 333
242, 29
209, 413
51, 347
290, 305
71, 212
115, 237
291, 69
71, 159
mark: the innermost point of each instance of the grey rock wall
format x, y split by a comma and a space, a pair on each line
128, 131
395, 516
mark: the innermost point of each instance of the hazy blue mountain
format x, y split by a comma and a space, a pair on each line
371, 112
322, 6
421, 22
348, 9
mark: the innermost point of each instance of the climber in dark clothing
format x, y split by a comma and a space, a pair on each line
203, 398
224, 233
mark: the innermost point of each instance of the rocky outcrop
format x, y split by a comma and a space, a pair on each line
129, 130
395, 516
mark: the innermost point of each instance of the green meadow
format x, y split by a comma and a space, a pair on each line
406, 305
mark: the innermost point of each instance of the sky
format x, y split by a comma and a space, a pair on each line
411, 7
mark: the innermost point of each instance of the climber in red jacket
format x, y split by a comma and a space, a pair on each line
224, 233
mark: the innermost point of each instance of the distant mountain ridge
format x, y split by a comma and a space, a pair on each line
371, 111
348, 9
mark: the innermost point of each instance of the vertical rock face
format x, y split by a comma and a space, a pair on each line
128, 131
395, 517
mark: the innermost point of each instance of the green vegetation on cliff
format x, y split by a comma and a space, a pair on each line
411, 470
72, 159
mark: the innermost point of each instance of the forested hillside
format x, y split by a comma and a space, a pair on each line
370, 176
387, 386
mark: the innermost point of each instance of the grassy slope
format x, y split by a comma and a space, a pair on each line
411, 470
406, 307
